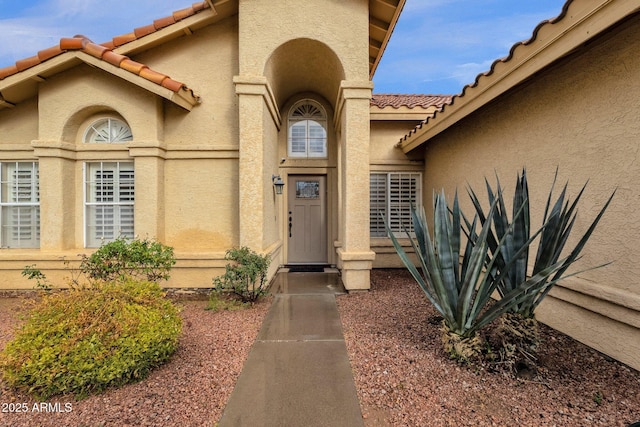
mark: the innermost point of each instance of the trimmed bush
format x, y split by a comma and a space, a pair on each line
246, 276
144, 259
83, 341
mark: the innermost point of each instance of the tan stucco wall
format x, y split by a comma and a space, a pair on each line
19, 125
582, 117
342, 26
185, 162
203, 178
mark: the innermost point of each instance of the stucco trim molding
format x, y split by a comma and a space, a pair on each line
63, 150
259, 86
603, 292
148, 149
350, 89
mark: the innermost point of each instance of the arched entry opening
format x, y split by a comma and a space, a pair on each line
305, 76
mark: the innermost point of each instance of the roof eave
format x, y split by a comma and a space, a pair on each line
385, 41
183, 97
552, 40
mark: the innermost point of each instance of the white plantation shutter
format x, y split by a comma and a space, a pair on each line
110, 196
394, 194
378, 204
20, 205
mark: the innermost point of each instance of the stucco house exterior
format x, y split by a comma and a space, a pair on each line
179, 130
568, 98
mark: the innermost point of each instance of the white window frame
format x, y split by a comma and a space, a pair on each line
393, 193
19, 195
307, 116
107, 130
119, 197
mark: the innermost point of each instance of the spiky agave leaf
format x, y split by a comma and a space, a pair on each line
460, 291
558, 220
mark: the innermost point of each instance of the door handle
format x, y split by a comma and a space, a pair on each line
290, 224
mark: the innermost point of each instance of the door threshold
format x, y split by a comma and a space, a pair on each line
307, 268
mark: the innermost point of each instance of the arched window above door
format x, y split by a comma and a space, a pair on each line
307, 130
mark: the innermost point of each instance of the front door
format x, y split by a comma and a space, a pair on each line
307, 219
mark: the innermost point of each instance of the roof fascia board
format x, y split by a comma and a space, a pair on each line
577, 27
35, 73
180, 98
388, 116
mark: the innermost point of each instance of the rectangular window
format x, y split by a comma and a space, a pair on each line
19, 205
392, 195
109, 201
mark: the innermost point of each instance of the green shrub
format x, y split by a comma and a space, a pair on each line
144, 259
82, 341
246, 276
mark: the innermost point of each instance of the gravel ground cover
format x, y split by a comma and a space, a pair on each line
190, 390
402, 375
404, 378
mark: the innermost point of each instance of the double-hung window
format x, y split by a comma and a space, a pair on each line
393, 194
109, 201
19, 205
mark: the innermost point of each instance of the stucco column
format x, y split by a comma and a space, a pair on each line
56, 162
250, 91
149, 204
356, 256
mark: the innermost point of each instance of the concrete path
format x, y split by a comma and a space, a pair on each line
298, 372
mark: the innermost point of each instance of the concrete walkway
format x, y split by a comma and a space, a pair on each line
298, 371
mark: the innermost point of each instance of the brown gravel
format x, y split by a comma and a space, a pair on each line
404, 378
191, 390
402, 375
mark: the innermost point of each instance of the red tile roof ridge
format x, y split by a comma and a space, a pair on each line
491, 70
104, 51
383, 100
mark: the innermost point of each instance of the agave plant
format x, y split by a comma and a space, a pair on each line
509, 241
460, 291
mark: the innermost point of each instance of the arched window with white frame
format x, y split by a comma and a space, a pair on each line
109, 186
307, 130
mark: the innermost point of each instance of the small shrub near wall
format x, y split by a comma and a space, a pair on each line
83, 341
245, 276
144, 259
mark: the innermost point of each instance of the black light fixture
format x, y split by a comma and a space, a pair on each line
278, 183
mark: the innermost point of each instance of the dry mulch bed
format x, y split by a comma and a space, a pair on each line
404, 378
402, 375
190, 390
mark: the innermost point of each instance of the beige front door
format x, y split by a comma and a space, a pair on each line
307, 219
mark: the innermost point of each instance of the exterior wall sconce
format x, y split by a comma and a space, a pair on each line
278, 183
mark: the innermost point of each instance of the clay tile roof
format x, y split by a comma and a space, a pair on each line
410, 101
105, 51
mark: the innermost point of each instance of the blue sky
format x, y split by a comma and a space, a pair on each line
438, 45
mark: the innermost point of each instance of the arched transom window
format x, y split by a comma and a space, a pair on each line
108, 130
307, 130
